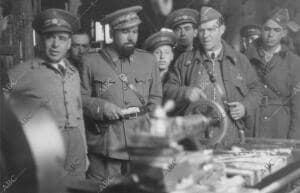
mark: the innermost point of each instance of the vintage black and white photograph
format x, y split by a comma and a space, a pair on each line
150, 96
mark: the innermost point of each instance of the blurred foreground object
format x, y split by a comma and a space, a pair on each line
205, 124
32, 153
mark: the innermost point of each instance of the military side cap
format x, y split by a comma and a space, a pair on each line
163, 37
208, 14
180, 16
250, 30
55, 20
280, 16
123, 18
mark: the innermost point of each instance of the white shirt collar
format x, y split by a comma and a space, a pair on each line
62, 63
216, 52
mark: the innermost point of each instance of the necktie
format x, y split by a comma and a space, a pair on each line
62, 69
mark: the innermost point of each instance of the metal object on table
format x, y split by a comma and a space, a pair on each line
280, 179
218, 125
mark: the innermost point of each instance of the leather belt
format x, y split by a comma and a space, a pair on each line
267, 101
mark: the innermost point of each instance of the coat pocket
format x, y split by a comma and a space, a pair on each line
240, 84
141, 82
102, 85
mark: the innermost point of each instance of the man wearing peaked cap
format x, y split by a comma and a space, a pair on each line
161, 44
124, 18
217, 72
120, 87
249, 33
184, 23
278, 69
50, 79
54, 20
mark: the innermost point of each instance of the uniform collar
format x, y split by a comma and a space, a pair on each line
282, 52
218, 53
42, 61
226, 53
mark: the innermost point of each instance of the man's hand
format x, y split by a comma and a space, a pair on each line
237, 110
112, 112
194, 94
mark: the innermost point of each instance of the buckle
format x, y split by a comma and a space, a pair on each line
265, 100
132, 115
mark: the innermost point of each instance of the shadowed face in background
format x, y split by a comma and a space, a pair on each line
125, 40
56, 45
164, 55
80, 46
272, 33
185, 33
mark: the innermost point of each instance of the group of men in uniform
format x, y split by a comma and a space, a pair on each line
121, 85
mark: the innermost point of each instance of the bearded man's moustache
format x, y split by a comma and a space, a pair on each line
129, 44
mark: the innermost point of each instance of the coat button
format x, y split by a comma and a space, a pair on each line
126, 103
265, 118
266, 86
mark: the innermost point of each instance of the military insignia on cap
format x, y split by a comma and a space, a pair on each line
184, 15
163, 37
280, 16
124, 18
208, 14
55, 20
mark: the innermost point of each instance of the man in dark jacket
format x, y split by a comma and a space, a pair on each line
120, 87
278, 69
184, 23
217, 72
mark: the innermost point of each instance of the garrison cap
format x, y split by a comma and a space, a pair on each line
55, 20
280, 16
180, 16
163, 37
124, 18
208, 14
250, 30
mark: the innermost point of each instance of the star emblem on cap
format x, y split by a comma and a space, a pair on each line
54, 21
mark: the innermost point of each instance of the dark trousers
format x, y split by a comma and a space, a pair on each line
103, 170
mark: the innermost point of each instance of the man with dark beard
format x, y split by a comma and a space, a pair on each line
120, 87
